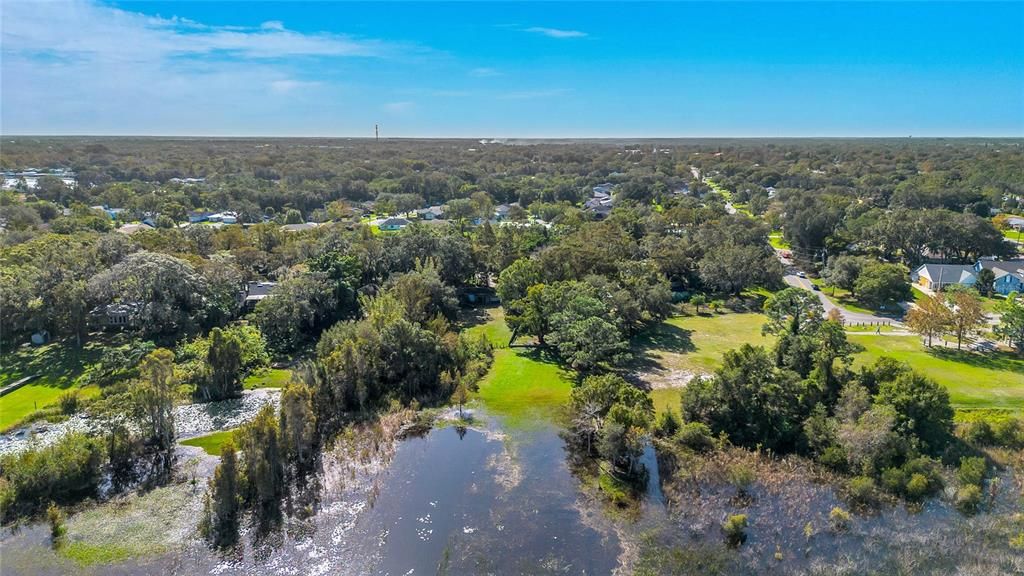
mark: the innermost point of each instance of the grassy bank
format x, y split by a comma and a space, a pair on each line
270, 378
991, 380
525, 385
58, 366
210, 443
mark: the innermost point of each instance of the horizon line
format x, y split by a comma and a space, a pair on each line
477, 138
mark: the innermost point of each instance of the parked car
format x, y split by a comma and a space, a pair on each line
802, 274
815, 287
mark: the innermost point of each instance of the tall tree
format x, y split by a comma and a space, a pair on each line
154, 399
931, 317
967, 315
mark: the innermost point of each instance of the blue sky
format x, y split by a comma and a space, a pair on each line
503, 70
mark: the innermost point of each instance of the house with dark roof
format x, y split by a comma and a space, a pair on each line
1009, 274
252, 293
394, 223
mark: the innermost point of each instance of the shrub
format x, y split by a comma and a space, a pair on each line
917, 486
860, 491
734, 529
69, 402
63, 472
894, 480
55, 516
834, 457
741, 476
839, 519
972, 471
977, 432
929, 469
1008, 433
696, 436
968, 498
668, 424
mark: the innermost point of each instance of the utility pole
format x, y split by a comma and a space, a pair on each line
376, 132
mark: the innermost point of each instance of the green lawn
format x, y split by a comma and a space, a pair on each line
696, 343
525, 386
843, 298
211, 443
994, 380
690, 345
777, 241
1013, 235
270, 378
489, 322
58, 365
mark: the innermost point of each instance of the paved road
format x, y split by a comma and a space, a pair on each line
851, 317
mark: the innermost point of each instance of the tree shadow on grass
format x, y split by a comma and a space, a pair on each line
990, 360
475, 316
664, 337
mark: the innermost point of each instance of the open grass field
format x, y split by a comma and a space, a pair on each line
695, 344
211, 443
684, 346
994, 380
270, 378
525, 386
58, 365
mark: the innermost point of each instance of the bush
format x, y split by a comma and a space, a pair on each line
741, 476
734, 529
894, 480
63, 472
860, 491
1008, 433
968, 498
929, 469
972, 471
834, 457
917, 487
55, 516
69, 402
977, 432
668, 424
696, 436
839, 519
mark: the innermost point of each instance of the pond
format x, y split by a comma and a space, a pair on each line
486, 500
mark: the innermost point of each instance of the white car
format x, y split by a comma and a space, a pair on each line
802, 274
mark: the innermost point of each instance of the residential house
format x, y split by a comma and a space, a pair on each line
601, 204
501, 212
299, 227
134, 227
197, 216
119, 315
938, 276
431, 213
394, 223
1009, 274
252, 293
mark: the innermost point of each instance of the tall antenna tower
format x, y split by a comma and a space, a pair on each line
376, 132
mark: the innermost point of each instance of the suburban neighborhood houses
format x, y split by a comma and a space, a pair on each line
1008, 275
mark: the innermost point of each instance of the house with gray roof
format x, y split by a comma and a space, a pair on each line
938, 276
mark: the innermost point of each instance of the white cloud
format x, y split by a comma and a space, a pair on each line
484, 72
556, 32
80, 66
399, 107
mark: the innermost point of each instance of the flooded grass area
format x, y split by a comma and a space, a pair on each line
210, 443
